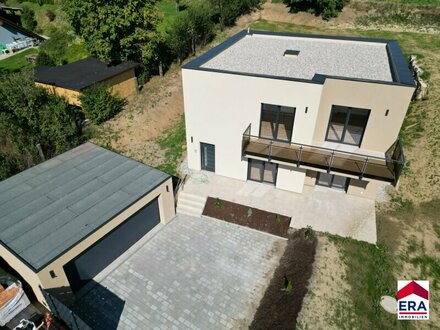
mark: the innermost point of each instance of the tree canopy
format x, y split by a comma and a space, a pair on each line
32, 122
116, 30
325, 8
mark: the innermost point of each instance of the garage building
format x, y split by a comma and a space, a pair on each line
66, 219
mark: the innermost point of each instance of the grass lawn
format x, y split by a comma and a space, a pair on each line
169, 12
17, 61
174, 144
76, 51
408, 228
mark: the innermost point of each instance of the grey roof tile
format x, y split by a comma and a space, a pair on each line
47, 209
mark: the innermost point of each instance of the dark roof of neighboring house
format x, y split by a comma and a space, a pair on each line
80, 74
237, 54
49, 208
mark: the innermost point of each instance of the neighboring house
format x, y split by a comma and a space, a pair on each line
12, 35
292, 109
65, 220
70, 79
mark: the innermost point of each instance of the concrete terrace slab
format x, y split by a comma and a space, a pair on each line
192, 274
264, 54
324, 209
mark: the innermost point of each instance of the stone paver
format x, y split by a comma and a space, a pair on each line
193, 274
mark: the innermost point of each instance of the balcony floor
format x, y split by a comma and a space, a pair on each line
313, 157
324, 209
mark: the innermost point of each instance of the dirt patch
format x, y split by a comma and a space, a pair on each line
148, 116
246, 216
327, 289
283, 298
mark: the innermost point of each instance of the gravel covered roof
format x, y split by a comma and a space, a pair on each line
264, 54
49, 208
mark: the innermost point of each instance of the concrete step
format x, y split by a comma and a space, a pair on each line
187, 196
188, 210
190, 204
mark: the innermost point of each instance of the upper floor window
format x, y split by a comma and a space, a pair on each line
347, 125
276, 122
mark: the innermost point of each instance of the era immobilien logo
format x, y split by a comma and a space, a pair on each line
413, 300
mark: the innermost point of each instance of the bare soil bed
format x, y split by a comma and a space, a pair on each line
245, 216
280, 307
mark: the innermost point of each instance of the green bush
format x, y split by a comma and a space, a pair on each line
56, 46
44, 58
27, 19
99, 104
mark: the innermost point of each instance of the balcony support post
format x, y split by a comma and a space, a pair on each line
364, 168
270, 150
298, 163
330, 164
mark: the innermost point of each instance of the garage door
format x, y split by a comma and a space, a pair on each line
92, 261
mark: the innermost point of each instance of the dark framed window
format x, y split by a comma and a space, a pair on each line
276, 122
332, 181
262, 171
347, 125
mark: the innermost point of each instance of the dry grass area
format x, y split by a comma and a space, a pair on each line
361, 14
324, 301
136, 131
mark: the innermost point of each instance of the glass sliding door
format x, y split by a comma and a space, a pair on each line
268, 124
276, 122
261, 171
347, 125
285, 123
255, 170
357, 122
332, 181
337, 123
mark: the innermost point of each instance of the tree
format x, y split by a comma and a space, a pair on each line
44, 58
179, 36
99, 104
325, 8
201, 25
27, 19
30, 116
56, 46
117, 30
227, 11
192, 28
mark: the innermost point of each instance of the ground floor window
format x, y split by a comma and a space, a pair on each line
347, 125
261, 171
332, 181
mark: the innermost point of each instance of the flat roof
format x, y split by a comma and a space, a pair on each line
80, 74
49, 208
307, 57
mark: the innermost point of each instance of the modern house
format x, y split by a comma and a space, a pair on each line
64, 220
292, 110
70, 79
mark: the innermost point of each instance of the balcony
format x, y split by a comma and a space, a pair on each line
332, 161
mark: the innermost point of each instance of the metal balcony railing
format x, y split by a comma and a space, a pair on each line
362, 166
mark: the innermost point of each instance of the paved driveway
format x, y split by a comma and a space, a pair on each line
192, 274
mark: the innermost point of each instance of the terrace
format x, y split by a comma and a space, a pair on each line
333, 161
